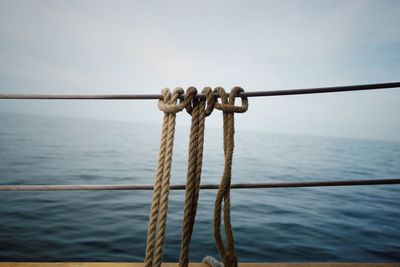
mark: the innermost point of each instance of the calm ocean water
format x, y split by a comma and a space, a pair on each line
287, 225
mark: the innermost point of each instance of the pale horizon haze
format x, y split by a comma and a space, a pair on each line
140, 47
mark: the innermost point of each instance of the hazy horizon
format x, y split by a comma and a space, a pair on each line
185, 127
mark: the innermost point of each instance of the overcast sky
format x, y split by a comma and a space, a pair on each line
133, 47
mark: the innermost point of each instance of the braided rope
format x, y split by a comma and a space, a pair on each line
198, 111
228, 107
159, 206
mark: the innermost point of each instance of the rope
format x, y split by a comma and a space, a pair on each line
198, 111
203, 186
211, 261
159, 206
228, 107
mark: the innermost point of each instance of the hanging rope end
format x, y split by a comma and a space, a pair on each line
212, 262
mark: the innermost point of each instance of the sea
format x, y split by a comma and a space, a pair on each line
321, 224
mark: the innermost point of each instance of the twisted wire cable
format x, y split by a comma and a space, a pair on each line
147, 187
271, 92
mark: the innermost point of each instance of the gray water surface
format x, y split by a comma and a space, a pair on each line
287, 225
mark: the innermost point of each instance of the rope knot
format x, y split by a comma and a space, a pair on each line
191, 92
229, 109
198, 108
228, 101
208, 105
170, 104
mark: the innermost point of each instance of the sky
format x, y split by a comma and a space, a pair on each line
139, 47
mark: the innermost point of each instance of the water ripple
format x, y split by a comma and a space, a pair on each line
274, 225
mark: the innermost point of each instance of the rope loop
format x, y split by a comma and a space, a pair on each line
228, 101
170, 104
210, 100
209, 103
198, 110
222, 199
190, 99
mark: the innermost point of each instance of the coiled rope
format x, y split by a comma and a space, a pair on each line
159, 206
228, 107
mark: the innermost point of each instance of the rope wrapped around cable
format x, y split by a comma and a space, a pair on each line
159, 206
198, 110
228, 107
171, 104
